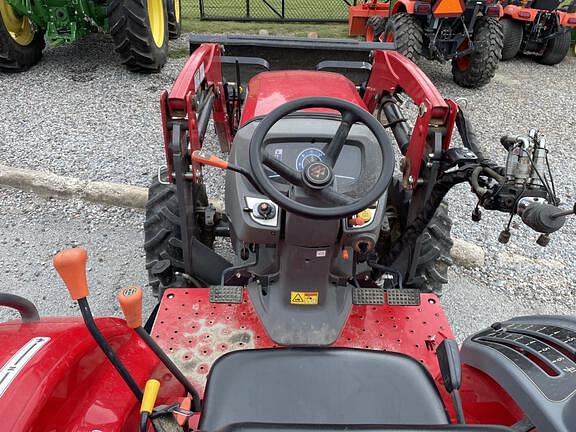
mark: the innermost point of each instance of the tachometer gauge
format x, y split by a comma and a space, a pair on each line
306, 157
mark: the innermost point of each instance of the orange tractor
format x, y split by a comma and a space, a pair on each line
539, 27
465, 32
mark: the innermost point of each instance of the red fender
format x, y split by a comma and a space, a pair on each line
67, 384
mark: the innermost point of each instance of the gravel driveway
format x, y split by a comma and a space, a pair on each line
79, 113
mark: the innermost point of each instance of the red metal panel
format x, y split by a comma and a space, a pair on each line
69, 384
269, 90
195, 332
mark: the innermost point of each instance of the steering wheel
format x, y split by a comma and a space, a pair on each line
317, 178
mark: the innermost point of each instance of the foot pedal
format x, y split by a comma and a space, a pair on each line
368, 296
403, 297
226, 294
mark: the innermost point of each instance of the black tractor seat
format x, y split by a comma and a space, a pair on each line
270, 427
319, 386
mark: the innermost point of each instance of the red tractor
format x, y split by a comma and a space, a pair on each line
467, 33
320, 322
538, 27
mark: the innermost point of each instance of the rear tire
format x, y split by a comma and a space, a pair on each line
406, 32
20, 49
174, 18
139, 29
375, 27
163, 238
478, 68
556, 49
513, 33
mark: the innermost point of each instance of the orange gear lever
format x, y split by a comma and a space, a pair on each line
71, 266
130, 299
206, 158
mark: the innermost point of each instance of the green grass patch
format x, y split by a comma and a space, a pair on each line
324, 30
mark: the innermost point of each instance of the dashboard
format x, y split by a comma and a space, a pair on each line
298, 155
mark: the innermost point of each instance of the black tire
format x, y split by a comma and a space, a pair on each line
513, 32
377, 24
556, 49
174, 18
478, 68
163, 238
431, 258
433, 254
16, 57
133, 38
407, 34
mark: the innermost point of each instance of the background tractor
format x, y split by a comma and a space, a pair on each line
466, 32
140, 29
540, 27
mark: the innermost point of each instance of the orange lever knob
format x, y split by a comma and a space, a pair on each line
205, 158
130, 299
71, 266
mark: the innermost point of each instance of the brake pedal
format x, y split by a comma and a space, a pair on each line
368, 296
226, 294
403, 297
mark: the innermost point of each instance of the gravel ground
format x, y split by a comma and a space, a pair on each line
83, 115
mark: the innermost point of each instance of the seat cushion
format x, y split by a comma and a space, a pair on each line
320, 386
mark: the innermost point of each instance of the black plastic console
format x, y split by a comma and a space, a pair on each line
534, 359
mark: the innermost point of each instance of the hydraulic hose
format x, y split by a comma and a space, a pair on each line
397, 123
471, 141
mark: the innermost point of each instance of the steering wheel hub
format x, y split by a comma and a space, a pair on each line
318, 175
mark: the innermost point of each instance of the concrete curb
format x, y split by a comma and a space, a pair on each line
51, 185
48, 185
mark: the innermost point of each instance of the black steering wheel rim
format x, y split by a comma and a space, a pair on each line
258, 143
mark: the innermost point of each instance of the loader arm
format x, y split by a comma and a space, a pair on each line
197, 92
393, 73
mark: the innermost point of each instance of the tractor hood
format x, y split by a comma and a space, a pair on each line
268, 90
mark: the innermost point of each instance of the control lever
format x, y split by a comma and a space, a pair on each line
151, 390
451, 369
206, 158
71, 266
131, 303
544, 218
565, 213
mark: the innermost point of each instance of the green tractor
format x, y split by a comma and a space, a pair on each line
140, 29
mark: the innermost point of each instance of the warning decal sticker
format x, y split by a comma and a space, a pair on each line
304, 297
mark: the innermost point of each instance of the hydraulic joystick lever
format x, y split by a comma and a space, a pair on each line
131, 303
451, 370
71, 266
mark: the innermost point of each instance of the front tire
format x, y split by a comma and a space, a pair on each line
513, 34
163, 237
406, 32
139, 29
478, 68
430, 260
20, 46
375, 27
556, 49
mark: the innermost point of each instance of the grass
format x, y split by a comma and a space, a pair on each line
294, 9
324, 30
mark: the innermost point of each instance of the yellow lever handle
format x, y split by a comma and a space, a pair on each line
150, 394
